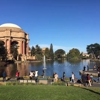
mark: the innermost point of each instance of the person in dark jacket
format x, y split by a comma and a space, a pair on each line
98, 76
4, 76
64, 76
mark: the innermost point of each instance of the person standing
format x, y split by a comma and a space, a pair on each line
94, 67
53, 77
43, 72
56, 77
4, 76
36, 76
84, 68
73, 77
87, 68
89, 79
17, 75
31, 75
91, 76
64, 76
98, 76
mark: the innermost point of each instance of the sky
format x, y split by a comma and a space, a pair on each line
66, 24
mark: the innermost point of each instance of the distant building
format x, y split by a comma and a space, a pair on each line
85, 54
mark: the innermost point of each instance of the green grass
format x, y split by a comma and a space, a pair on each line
48, 92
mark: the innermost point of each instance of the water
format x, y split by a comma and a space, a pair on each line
57, 66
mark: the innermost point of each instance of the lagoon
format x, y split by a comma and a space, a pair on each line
51, 66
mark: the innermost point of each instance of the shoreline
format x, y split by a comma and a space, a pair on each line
93, 72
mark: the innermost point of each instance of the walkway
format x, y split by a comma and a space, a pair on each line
49, 81
90, 71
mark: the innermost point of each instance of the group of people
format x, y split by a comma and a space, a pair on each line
4, 75
96, 68
33, 75
87, 79
84, 68
72, 78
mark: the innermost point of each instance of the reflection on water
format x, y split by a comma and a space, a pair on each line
56, 66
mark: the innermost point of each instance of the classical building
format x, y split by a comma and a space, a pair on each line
12, 33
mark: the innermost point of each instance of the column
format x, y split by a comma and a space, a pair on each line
23, 47
20, 47
9, 45
5, 43
27, 49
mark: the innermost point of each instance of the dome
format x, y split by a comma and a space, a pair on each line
10, 25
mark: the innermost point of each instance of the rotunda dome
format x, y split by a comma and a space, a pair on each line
10, 25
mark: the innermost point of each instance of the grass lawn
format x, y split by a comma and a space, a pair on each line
48, 92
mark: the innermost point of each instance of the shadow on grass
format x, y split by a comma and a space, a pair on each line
91, 91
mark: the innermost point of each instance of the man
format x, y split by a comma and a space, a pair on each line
36, 76
4, 76
98, 76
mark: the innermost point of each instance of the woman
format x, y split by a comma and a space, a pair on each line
89, 79
73, 77
17, 75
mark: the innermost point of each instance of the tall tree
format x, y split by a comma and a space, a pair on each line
33, 51
51, 52
38, 52
47, 53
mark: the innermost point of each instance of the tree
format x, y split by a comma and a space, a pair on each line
3, 51
33, 51
38, 52
94, 49
59, 53
47, 53
74, 54
14, 49
51, 52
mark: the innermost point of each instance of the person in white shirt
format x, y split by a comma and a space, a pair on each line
36, 73
73, 77
31, 74
36, 76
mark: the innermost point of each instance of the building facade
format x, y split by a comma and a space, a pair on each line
12, 33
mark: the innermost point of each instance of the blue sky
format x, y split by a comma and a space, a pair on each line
66, 24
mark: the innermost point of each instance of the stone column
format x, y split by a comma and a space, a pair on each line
27, 48
8, 45
5, 43
23, 47
20, 47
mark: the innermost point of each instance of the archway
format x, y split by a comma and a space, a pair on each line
14, 49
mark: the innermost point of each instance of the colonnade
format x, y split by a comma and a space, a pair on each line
22, 46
